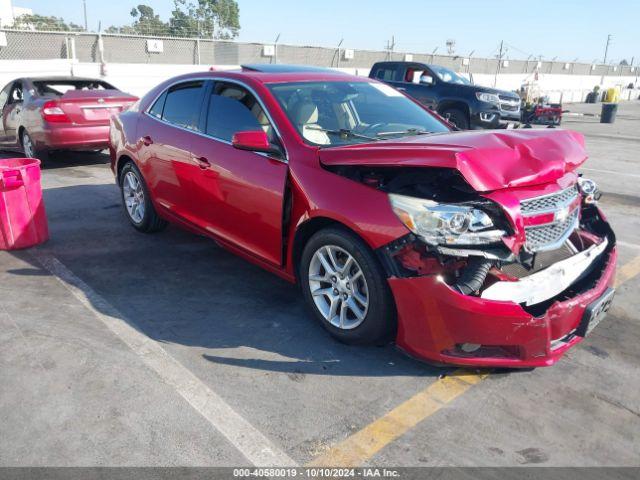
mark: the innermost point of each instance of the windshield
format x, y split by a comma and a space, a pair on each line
342, 113
449, 76
60, 87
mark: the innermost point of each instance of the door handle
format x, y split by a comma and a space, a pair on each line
147, 140
203, 163
402, 89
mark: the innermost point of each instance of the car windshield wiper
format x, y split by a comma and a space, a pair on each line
410, 132
343, 133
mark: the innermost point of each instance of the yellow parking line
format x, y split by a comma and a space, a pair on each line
628, 271
362, 445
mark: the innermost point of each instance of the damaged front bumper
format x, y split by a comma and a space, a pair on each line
530, 322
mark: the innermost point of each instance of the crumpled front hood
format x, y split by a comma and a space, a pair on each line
488, 160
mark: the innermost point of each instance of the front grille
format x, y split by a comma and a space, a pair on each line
509, 104
509, 108
549, 203
544, 236
541, 260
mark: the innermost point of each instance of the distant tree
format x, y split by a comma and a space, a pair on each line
206, 18
42, 22
624, 63
218, 19
147, 22
125, 29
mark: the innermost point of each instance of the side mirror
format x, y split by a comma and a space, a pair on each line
254, 141
426, 80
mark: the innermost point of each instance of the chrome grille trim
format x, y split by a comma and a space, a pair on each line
509, 104
549, 203
551, 235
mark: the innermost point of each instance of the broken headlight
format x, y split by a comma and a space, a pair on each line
445, 224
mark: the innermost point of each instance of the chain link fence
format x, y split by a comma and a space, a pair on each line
122, 48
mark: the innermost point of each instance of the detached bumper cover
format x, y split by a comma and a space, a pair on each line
547, 283
433, 319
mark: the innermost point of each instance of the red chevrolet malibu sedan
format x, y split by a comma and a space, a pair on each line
470, 248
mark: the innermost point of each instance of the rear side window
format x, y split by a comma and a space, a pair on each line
231, 109
4, 97
182, 104
157, 108
387, 74
15, 96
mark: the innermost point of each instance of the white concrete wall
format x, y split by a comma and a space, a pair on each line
140, 78
568, 88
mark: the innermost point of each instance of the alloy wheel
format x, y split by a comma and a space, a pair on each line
133, 194
27, 146
338, 287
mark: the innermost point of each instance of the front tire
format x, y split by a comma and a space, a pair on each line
343, 283
137, 201
459, 118
29, 148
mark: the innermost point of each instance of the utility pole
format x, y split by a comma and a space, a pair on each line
338, 60
390, 46
84, 7
606, 49
275, 49
495, 78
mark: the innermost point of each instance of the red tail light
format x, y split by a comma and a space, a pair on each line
51, 112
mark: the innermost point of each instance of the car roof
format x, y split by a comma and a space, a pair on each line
269, 73
280, 68
63, 78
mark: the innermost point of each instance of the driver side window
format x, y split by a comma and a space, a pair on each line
231, 109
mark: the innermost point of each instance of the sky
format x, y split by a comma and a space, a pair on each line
566, 29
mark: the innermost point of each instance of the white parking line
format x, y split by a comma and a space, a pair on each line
257, 448
612, 172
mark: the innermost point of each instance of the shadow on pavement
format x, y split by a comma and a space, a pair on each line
182, 289
65, 159
75, 159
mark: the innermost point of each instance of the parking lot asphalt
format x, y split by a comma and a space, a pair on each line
124, 349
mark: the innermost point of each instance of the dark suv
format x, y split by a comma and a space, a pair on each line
451, 94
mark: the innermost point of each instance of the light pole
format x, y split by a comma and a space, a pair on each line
84, 8
606, 49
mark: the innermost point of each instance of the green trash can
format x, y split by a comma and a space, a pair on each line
609, 111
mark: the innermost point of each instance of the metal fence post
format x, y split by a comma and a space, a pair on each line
72, 43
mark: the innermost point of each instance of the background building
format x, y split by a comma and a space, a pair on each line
8, 13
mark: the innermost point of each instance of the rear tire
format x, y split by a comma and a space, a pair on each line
136, 201
459, 118
370, 315
30, 150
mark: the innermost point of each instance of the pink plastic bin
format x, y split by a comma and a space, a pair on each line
23, 221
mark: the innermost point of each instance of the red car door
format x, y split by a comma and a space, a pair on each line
239, 193
166, 135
